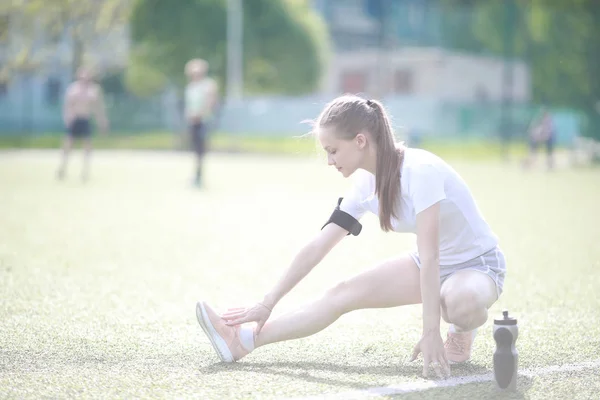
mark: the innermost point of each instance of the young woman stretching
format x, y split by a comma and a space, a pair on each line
457, 272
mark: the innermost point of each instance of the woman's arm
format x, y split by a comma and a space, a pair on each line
306, 259
429, 253
431, 344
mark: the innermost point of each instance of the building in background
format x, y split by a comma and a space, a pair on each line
426, 72
401, 51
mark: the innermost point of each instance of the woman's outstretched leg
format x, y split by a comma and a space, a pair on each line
395, 282
392, 283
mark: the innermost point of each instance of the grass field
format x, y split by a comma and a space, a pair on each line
288, 144
98, 281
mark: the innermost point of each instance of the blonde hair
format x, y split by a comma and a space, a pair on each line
350, 115
88, 71
196, 65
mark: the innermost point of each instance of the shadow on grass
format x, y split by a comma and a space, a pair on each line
479, 391
320, 372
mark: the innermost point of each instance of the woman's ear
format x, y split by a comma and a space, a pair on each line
361, 140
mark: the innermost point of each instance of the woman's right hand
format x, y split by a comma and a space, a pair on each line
258, 313
303, 263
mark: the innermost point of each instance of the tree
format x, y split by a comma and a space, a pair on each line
559, 41
34, 28
284, 41
142, 77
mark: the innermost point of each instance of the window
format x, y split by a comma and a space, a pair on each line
350, 16
416, 16
403, 82
353, 82
481, 95
53, 88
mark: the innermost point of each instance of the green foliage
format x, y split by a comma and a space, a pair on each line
142, 78
172, 33
37, 27
558, 40
284, 50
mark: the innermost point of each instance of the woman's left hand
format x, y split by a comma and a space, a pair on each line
434, 355
258, 313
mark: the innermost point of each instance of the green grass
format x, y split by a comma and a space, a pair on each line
98, 281
251, 143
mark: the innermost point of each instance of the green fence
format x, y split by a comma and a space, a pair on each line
283, 116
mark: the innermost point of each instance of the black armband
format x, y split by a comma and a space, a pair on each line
344, 220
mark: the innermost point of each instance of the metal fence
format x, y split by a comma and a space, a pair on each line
277, 116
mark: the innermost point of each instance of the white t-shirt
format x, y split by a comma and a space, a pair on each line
196, 96
425, 180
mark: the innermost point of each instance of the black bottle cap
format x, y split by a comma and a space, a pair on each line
505, 320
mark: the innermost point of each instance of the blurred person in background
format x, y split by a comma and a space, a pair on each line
200, 103
541, 133
83, 100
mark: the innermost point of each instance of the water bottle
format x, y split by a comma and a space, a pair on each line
506, 357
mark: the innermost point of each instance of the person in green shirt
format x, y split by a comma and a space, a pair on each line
200, 102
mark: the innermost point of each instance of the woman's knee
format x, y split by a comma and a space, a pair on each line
392, 283
465, 307
347, 295
339, 297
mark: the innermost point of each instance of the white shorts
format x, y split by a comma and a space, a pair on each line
492, 263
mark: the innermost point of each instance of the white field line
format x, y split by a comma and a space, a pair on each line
452, 382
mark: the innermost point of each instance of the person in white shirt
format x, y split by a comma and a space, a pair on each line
200, 101
457, 271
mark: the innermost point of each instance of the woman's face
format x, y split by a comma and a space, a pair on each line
346, 155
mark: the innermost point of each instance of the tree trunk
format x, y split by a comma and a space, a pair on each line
77, 55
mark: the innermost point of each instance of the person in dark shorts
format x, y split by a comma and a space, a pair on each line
83, 100
80, 128
542, 133
198, 132
200, 101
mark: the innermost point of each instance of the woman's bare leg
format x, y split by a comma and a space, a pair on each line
393, 283
466, 297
